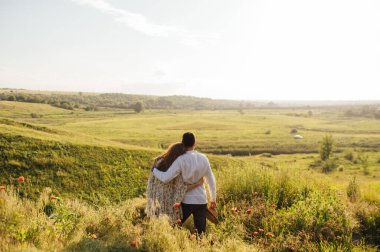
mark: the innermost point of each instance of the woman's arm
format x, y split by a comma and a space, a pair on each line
192, 186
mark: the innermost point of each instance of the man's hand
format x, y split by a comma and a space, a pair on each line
212, 204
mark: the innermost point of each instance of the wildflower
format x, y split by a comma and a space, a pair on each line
134, 244
193, 237
269, 234
234, 210
255, 193
261, 230
176, 205
179, 221
176, 211
255, 233
274, 206
21, 179
93, 236
52, 197
249, 210
3, 187
266, 244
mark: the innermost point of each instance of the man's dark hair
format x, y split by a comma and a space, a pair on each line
188, 139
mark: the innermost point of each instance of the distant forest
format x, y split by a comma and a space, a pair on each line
92, 101
96, 101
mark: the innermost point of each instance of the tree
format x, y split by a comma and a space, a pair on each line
139, 107
326, 148
11, 98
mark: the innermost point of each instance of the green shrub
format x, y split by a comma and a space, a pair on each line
326, 147
329, 165
353, 191
349, 155
363, 161
368, 218
293, 131
321, 215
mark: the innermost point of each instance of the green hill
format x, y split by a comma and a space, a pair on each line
97, 163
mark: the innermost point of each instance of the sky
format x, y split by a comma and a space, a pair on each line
240, 49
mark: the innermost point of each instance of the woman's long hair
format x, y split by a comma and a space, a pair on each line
172, 153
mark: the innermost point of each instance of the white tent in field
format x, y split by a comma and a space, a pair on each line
298, 137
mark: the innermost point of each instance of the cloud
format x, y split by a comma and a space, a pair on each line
140, 23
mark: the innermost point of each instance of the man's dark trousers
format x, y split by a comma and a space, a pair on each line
199, 214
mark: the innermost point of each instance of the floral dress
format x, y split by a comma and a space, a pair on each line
162, 197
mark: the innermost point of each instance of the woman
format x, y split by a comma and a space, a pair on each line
161, 197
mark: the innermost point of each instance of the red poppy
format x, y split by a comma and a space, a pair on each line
52, 197
177, 204
255, 233
3, 187
133, 244
179, 222
93, 236
21, 179
249, 210
269, 234
261, 230
274, 205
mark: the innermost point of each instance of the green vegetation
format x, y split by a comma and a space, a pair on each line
86, 171
139, 107
92, 101
326, 148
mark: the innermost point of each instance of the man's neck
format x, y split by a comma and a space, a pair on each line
190, 148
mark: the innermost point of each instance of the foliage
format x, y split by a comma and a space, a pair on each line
90, 101
363, 161
74, 168
366, 111
349, 155
326, 147
139, 107
329, 165
353, 191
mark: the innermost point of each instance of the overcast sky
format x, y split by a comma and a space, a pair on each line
236, 49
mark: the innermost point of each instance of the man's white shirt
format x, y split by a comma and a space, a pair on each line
192, 166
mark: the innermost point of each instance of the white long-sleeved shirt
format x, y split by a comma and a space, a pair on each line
192, 166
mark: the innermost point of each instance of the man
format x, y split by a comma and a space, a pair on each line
192, 166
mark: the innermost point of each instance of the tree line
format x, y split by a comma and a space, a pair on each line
90, 102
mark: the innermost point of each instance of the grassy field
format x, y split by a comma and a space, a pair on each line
97, 163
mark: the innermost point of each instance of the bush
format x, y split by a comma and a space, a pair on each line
329, 165
349, 155
326, 147
321, 216
368, 217
139, 107
35, 115
353, 192
363, 161
11, 98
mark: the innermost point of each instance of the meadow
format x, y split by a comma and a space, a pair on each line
86, 171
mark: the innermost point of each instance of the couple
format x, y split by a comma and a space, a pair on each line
175, 187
